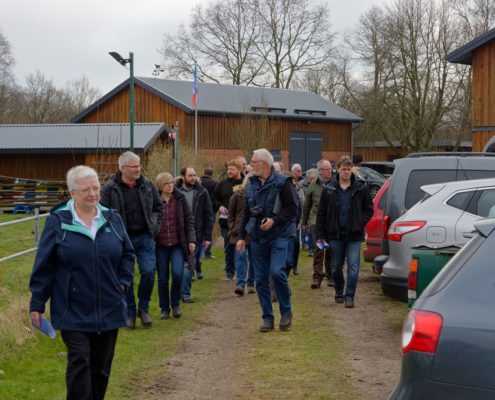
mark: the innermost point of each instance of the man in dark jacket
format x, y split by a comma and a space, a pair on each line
223, 191
269, 220
137, 200
200, 204
345, 209
209, 184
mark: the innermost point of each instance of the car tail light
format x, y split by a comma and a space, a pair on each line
399, 229
386, 225
421, 331
412, 282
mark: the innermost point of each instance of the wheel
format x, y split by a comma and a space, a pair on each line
374, 190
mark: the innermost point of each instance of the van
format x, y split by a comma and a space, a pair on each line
412, 172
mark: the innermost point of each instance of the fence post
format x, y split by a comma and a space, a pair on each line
37, 225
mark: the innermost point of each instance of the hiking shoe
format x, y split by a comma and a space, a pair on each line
349, 303
165, 314
295, 272
239, 290
176, 311
200, 275
316, 283
228, 278
131, 323
251, 289
267, 326
285, 322
145, 318
187, 299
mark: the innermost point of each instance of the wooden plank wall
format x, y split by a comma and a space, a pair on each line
377, 153
214, 131
483, 95
38, 166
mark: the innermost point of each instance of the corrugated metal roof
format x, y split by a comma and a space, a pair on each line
77, 137
464, 54
216, 98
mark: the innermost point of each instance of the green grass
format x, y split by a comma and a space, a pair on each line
309, 361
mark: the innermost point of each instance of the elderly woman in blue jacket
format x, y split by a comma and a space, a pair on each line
84, 265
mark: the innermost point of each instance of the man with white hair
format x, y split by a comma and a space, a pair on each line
297, 172
269, 220
137, 200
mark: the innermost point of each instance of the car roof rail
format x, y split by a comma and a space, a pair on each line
451, 154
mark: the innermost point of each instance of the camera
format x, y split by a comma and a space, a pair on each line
257, 212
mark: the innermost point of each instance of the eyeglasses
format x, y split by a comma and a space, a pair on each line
256, 161
88, 190
133, 166
325, 169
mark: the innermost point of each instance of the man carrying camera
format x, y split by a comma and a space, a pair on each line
269, 220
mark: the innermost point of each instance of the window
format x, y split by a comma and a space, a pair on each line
485, 206
419, 178
460, 200
383, 200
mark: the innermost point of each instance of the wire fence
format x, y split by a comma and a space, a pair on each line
36, 218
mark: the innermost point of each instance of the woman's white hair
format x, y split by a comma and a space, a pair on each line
126, 157
264, 155
75, 174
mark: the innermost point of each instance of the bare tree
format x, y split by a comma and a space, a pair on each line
296, 37
409, 90
220, 41
250, 42
477, 16
8, 88
79, 95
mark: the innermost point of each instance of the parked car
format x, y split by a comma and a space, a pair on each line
373, 179
443, 218
386, 168
375, 229
412, 172
447, 337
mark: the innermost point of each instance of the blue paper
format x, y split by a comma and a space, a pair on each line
46, 327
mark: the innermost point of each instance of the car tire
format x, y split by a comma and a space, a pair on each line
374, 190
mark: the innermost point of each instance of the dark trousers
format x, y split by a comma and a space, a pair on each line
321, 259
89, 360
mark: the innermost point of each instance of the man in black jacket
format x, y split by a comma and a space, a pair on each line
199, 202
223, 191
345, 209
137, 200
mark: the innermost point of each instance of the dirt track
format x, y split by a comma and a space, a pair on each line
204, 366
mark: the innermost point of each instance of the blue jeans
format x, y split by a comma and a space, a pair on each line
269, 263
188, 271
144, 245
166, 257
243, 268
340, 250
229, 250
308, 239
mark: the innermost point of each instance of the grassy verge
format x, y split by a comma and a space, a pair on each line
33, 366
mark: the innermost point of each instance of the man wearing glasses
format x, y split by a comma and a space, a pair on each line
137, 200
269, 220
308, 221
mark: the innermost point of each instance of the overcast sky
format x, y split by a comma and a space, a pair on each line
65, 39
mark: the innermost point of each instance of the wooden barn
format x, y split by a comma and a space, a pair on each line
46, 152
297, 126
480, 54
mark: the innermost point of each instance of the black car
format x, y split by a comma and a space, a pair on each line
448, 345
385, 168
373, 179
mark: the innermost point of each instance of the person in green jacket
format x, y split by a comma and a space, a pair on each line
308, 221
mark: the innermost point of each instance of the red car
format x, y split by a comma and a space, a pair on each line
376, 228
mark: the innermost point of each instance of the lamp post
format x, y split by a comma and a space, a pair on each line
123, 61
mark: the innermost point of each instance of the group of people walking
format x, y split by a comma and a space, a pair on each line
85, 261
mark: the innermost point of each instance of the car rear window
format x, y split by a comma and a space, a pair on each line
419, 178
460, 200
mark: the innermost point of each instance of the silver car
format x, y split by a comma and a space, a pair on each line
444, 217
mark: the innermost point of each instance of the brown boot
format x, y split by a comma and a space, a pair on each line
316, 283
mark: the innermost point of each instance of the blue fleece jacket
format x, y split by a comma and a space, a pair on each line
80, 275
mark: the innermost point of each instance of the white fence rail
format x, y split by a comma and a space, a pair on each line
37, 217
